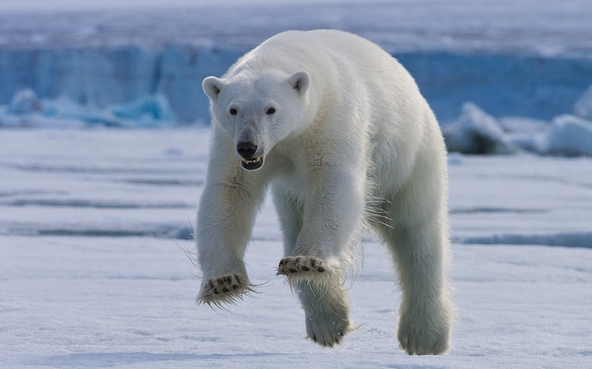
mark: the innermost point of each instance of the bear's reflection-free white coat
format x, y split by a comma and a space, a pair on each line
339, 130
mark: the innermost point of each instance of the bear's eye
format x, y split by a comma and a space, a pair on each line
270, 111
233, 111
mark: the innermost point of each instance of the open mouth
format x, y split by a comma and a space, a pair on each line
252, 164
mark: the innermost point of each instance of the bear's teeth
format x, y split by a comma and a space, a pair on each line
253, 161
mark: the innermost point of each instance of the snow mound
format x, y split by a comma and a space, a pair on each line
24, 102
570, 136
475, 132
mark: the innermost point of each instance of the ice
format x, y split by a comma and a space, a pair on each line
26, 110
146, 110
24, 102
527, 58
96, 271
559, 239
122, 75
531, 86
527, 86
583, 107
569, 135
475, 132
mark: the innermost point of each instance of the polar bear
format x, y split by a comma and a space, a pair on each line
338, 130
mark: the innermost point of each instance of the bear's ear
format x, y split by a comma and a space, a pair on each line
300, 81
212, 87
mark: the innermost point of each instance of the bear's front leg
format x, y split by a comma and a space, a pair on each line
319, 233
329, 210
226, 215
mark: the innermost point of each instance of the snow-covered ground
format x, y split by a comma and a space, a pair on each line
95, 266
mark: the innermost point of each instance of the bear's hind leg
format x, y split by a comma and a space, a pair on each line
426, 313
418, 239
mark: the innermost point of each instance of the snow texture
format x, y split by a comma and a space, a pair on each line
96, 269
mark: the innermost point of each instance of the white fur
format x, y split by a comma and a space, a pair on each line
351, 143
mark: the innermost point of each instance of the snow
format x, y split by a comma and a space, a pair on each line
95, 271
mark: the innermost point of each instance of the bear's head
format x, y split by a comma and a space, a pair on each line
258, 111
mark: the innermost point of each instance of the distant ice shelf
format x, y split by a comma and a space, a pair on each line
503, 85
529, 58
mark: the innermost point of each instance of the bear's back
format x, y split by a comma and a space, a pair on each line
323, 53
326, 45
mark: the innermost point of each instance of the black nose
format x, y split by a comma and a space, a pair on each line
246, 149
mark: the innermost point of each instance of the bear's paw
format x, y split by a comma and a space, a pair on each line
302, 267
327, 327
422, 339
224, 289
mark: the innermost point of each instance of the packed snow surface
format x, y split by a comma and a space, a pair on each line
97, 271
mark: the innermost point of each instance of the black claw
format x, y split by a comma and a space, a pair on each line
211, 283
313, 262
235, 287
283, 262
225, 289
220, 280
292, 270
237, 278
216, 291
305, 268
321, 269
